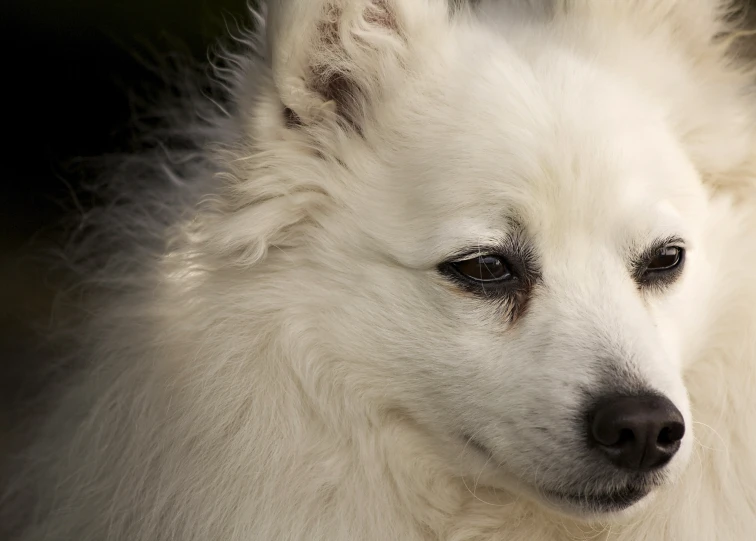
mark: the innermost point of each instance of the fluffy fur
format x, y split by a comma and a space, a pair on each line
273, 354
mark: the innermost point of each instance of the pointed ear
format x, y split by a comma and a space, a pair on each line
334, 59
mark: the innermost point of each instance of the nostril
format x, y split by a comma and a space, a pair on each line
626, 437
665, 436
671, 434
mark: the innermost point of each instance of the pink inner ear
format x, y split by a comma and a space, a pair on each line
344, 92
329, 27
334, 83
329, 81
379, 14
331, 72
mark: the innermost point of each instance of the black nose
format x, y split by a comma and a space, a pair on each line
638, 433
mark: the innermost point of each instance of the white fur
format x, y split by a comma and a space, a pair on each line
276, 357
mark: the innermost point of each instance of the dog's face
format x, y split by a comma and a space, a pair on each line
514, 262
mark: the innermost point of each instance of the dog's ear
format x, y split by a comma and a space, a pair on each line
335, 58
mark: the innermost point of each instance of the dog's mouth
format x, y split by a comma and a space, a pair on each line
612, 501
603, 502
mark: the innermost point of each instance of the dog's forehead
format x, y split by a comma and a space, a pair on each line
551, 126
561, 107
551, 140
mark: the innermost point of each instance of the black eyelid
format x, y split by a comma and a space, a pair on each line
680, 253
668, 242
647, 277
648, 253
511, 261
470, 254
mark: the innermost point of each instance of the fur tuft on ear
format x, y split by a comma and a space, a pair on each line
336, 58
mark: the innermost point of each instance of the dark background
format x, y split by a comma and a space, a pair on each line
68, 70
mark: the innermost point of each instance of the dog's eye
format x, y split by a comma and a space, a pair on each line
661, 266
667, 258
484, 268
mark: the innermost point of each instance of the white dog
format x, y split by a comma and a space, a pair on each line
440, 271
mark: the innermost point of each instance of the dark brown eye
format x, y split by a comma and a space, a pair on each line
484, 268
666, 259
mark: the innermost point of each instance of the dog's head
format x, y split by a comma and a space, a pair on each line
504, 240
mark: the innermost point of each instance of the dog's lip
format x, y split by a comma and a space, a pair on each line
601, 502
616, 500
